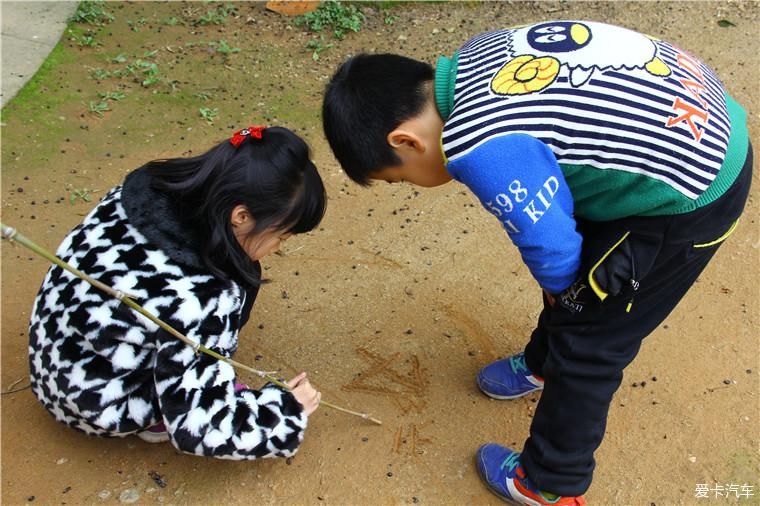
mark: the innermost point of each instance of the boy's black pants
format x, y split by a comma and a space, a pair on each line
581, 344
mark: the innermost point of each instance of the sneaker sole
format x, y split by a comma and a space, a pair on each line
153, 437
508, 397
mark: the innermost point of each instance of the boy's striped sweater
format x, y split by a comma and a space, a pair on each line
557, 119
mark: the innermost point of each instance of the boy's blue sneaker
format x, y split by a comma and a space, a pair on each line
501, 470
509, 378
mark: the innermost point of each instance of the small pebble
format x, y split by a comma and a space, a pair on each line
104, 494
692, 459
129, 496
157, 479
726, 381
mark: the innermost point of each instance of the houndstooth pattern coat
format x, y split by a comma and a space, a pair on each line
100, 367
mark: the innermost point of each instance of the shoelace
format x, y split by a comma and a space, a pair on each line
517, 363
511, 462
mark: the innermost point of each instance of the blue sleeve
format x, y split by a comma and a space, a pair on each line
517, 178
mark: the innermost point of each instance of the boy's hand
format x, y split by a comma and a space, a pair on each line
304, 393
549, 298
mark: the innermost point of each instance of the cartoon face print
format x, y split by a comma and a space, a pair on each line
542, 51
559, 37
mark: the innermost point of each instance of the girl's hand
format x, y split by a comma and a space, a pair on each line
304, 393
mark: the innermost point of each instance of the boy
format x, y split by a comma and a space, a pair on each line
617, 164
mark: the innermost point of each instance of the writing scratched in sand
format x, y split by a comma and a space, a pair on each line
401, 380
409, 441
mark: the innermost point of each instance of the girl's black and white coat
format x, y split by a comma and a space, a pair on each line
100, 367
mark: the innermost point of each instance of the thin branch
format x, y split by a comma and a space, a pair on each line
13, 235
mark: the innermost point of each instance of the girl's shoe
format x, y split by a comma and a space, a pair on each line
509, 378
155, 434
501, 470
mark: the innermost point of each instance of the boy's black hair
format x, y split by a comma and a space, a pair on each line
369, 96
273, 177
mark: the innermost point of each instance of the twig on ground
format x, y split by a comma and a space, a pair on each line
12, 234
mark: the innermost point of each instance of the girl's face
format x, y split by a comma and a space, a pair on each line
264, 243
259, 245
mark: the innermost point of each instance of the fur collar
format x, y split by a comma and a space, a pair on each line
159, 219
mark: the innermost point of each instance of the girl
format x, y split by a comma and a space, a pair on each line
184, 237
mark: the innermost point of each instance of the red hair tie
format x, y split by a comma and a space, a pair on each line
252, 131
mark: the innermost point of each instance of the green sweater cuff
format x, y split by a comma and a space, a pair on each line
445, 80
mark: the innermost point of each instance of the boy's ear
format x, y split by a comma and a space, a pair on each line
401, 138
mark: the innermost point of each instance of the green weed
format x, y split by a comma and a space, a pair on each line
82, 194
100, 74
83, 39
98, 108
224, 48
92, 12
317, 46
209, 114
136, 25
145, 72
216, 16
203, 95
338, 17
112, 95
171, 21
119, 58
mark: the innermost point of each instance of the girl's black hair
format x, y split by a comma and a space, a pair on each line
273, 177
369, 96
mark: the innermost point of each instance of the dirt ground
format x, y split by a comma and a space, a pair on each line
394, 303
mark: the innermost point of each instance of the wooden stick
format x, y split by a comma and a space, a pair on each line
13, 235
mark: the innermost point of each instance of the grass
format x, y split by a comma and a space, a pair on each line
92, 12
112, 95
82, 194
332, 15
216, 16
136, 25
86, 39
224, 48
120, 58
209, 114
317, 46
98, 108
34, 96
